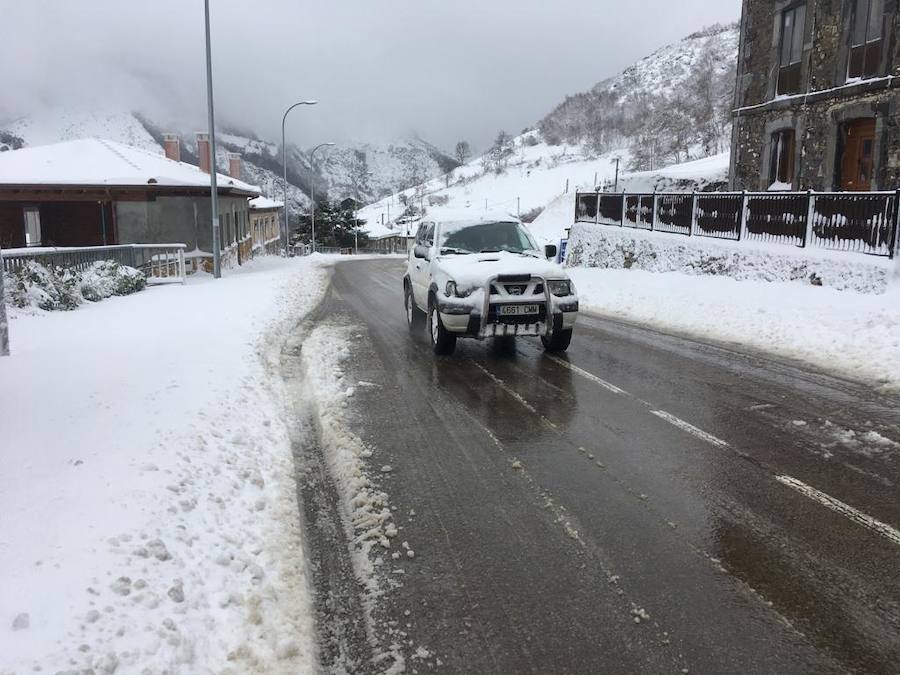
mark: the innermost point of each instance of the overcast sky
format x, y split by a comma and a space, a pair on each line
445, 69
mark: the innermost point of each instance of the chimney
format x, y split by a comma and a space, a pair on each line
172, 144
234, 165
203, 150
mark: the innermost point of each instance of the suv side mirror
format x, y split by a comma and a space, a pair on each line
550, 251
420, 251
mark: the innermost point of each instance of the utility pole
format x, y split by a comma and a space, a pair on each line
213, 188
616, 186
4, 324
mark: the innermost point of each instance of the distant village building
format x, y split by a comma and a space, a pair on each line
399, 240
265, 225
93, 192
817, 96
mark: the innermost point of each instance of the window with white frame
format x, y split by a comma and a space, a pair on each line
32, 227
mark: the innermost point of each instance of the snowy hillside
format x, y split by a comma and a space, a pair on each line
52, 125
630, 117
670, 68
670, 107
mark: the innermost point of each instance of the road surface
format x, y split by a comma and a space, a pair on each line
644, 503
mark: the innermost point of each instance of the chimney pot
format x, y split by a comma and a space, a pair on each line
203, 151
234, 165
172, 145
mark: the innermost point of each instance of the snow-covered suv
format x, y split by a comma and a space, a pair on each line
487, 278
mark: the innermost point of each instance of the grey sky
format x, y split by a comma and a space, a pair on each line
447, 69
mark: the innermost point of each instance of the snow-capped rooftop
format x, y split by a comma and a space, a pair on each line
94, 161
260, 203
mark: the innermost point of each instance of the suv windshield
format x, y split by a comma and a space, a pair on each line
486, 237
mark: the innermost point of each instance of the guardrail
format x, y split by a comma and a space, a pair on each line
160, 263
862, 222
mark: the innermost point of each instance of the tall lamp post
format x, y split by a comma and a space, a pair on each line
285, 229
312, 161
213, 187
4, 324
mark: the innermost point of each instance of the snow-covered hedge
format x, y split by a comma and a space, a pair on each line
106, 278
612, 247
56, 288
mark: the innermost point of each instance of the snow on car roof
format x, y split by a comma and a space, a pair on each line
466, 218
95, 161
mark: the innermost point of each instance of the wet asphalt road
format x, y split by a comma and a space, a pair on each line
644, 503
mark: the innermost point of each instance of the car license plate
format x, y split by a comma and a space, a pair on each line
518, 310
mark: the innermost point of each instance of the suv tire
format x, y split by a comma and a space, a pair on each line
558, 341
442, 341
415, 317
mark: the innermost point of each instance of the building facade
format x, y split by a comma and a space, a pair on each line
92, 192
816, 101
265, 225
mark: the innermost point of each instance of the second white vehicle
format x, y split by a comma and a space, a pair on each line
486, 278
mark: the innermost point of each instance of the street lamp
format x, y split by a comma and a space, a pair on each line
213, 187
4, 324
285, 228
312, 162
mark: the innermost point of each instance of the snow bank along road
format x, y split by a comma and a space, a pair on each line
148, 513
645, 503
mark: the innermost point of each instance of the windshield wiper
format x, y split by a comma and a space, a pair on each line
449, 250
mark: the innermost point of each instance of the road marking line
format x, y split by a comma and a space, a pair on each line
590, 376
690, 428
837, 505
505, 387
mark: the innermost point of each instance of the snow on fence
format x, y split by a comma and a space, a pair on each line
160, 263
862, 222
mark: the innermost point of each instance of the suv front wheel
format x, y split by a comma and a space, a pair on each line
415, 317
442, 341
558, 341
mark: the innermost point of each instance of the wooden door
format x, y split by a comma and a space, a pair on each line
858, 155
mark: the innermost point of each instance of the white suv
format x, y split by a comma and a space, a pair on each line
486, 278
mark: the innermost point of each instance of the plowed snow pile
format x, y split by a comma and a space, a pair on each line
148, 515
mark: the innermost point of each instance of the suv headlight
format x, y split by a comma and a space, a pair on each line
560, 287
452, 290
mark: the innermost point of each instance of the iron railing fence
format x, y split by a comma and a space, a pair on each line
861, 222
160, 263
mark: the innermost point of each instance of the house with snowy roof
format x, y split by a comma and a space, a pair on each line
265, 224
94, 192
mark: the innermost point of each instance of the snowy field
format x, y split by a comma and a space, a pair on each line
148, 515
853, 334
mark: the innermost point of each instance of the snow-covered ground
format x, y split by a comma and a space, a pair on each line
148, 515
853, 334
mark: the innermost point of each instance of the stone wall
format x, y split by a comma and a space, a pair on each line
828, 101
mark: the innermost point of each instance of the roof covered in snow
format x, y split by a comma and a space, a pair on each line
260, 203
98, 162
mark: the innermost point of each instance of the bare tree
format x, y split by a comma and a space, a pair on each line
463, 152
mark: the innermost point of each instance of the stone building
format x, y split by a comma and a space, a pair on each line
816, 101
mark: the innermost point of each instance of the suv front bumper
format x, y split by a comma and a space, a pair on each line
482, 321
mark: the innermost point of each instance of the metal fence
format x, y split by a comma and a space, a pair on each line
160, 263
862, 222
